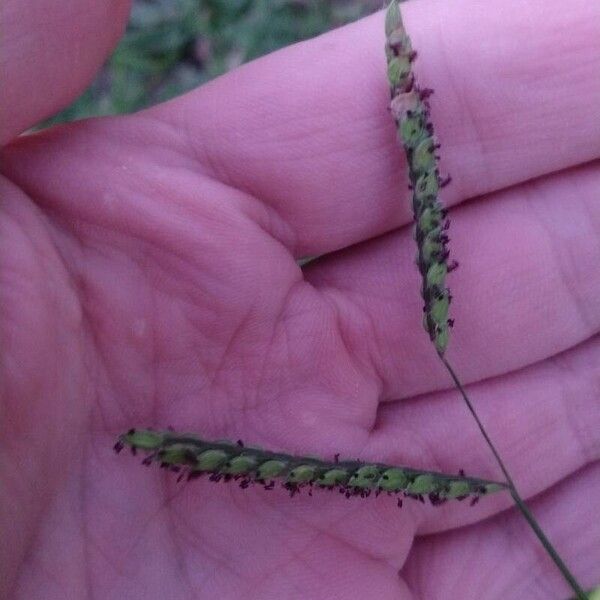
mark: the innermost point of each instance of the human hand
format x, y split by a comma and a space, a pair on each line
149, 278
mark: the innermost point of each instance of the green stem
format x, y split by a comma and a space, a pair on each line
525, 511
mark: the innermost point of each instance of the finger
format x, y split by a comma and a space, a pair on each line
307, 129
544, 421
50, 52
503, 558
527, 287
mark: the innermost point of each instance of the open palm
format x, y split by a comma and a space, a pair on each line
149, 277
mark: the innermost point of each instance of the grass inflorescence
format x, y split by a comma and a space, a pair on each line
192, 457
410, 109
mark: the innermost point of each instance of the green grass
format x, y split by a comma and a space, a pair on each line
172, 46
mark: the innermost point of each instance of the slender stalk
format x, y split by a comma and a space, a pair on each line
525, 510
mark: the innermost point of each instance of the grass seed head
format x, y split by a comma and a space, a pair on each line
410, 110
222, 460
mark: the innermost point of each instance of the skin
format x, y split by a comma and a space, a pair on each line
148, 277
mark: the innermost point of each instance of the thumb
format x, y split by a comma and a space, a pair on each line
51, 51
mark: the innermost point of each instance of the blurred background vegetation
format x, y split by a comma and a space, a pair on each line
172, 46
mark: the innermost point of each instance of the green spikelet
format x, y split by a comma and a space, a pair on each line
410, 110
233, 461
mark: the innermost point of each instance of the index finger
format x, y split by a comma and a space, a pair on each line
306, 129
